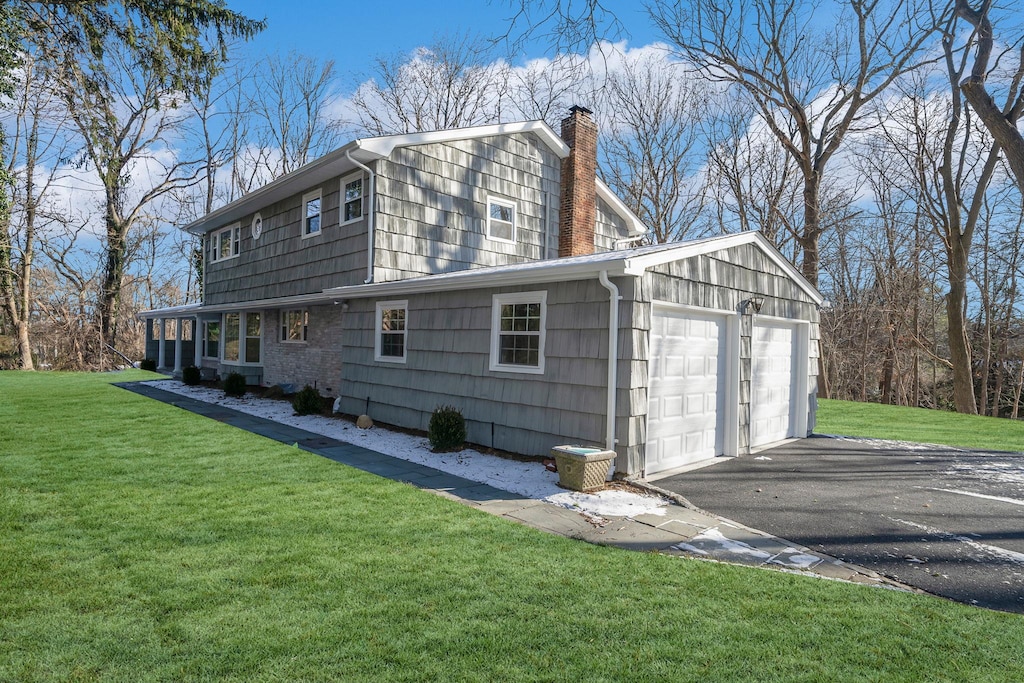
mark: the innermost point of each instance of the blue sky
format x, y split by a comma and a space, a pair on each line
354, 33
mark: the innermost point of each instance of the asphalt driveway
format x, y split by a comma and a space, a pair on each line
945, 520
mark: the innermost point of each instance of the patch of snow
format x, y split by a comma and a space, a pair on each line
798, 559
1001, 470
715, 537
762, 457
529, 479
886, 444
989, 550
1001, 499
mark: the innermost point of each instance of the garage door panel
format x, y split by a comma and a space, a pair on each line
773, 395
687, 372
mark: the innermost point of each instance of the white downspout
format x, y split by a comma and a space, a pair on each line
369, 216
613, 355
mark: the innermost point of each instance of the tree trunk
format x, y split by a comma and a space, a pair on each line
808, 238
959, 345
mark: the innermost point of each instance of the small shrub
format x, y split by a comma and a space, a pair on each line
234, 385
274, 392
147, 364
308, 402
447, 430
191, 376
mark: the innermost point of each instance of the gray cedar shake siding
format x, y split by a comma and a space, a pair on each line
431, 218
283, 263
448, 342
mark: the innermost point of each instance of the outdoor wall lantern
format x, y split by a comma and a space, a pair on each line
754, 302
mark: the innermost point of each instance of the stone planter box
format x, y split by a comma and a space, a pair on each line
582, 469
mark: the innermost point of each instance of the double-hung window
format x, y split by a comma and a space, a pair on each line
243, 336
226, 243
351, 198
501, 220
294, 325
311, 205
211, 339
232, 336
391, 328
517, 332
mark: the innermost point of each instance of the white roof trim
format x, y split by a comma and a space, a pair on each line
384, 146
635, 226
631, 262
636, 265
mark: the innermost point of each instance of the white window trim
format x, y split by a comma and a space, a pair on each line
242, 320
306, 199
341, 198
499, 300
515, 216
220, 344
304, 312
252, 226
235, 231
389, 305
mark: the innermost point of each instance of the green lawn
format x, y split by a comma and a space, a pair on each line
139, 542
918, 424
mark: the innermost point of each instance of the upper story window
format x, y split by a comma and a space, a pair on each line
226, 243
294, 325
351, 198
311, 214
390, 338
517, 332
501, 220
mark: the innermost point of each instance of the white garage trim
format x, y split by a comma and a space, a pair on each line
726, 414
766, 419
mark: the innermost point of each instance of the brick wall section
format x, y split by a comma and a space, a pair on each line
317, 362
577, 206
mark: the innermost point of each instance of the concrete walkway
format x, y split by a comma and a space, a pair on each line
683, 530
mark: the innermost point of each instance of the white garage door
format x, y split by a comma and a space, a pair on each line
686, 394
773, 382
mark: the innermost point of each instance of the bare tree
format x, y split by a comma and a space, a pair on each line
450, 84
126, 119
289, 101
1000, 122
651, 143
808, 68
37, 146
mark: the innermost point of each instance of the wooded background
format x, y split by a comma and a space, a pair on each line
877, 144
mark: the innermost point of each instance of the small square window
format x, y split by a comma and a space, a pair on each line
391, 330
351, 198
294, 326
311, 214
501, 220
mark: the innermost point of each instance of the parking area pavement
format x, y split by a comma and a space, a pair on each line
945, 520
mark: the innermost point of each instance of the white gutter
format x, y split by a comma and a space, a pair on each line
613, 355
369, 216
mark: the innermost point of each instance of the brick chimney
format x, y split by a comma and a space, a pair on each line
577, 213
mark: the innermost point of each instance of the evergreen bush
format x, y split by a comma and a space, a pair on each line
308, 402
147, 364
447, 430
234, 385
191, 376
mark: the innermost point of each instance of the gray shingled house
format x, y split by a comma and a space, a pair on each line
489, 268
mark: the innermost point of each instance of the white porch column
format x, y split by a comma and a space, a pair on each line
160, 360
197, 341
177, 346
